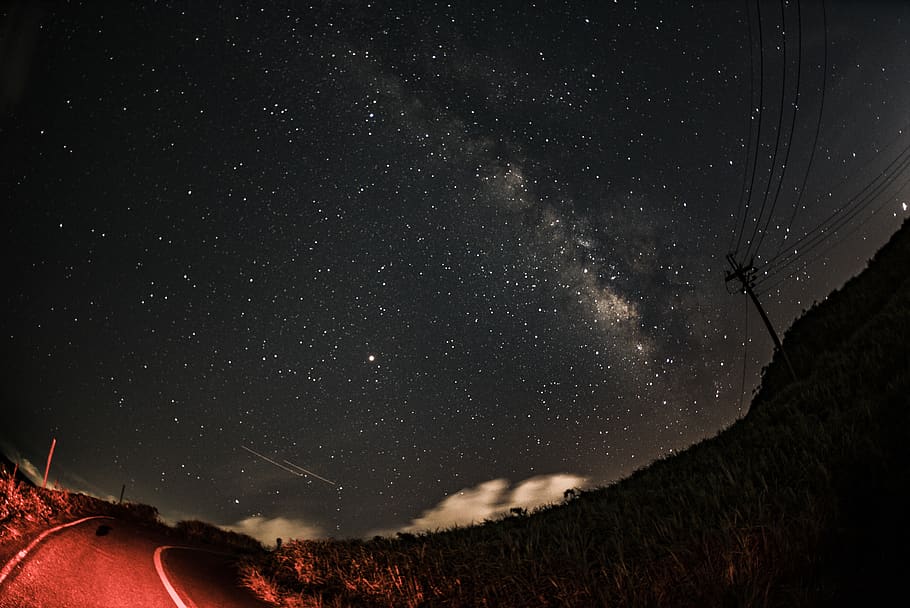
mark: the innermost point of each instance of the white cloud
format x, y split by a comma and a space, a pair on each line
266, 530
491, 499
465, 507
543, 490
31, 471
25, 465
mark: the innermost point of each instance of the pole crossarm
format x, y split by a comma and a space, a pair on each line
745, 274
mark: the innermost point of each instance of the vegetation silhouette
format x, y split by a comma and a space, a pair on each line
803, 502
27, 510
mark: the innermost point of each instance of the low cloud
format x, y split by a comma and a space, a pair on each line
492, 499
26, 466
266, 530
31, 471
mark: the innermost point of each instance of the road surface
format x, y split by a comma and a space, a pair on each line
108, 563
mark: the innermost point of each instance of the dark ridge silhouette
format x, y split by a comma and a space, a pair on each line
829, 325
801, 503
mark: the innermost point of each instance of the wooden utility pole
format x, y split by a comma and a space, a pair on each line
746, 276
49, 456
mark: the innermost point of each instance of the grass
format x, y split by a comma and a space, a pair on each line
207, 533
27, 510
801, 503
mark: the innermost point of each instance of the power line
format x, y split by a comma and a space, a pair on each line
841, 215
780, 119
818, 126
783, 173
822, 237
742, 195
761, 107
769, 288
843, 181
795, 269
850, 210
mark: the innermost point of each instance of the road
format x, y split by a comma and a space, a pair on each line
108, 563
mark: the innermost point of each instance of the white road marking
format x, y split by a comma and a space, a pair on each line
8, 568
159, 567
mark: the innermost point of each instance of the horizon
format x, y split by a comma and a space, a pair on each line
360, 269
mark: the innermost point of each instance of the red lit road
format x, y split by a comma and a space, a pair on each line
121, 565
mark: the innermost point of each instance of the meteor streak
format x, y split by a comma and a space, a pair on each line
310, 472
299, 472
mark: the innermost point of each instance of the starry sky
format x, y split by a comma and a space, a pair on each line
360, 267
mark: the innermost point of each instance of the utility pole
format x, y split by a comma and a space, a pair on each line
746, 276
49, 456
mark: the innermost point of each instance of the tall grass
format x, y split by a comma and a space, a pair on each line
25, 510
205, 532
801, 503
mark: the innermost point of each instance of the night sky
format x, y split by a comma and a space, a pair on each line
449, 258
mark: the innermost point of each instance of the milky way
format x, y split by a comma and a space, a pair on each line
403, 252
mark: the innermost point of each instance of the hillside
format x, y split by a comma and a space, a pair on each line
27, 510
801, 503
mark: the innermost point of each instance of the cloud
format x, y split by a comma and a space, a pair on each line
544, 489
266, 530
26, 466
31, 471
465, 507
491, 499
